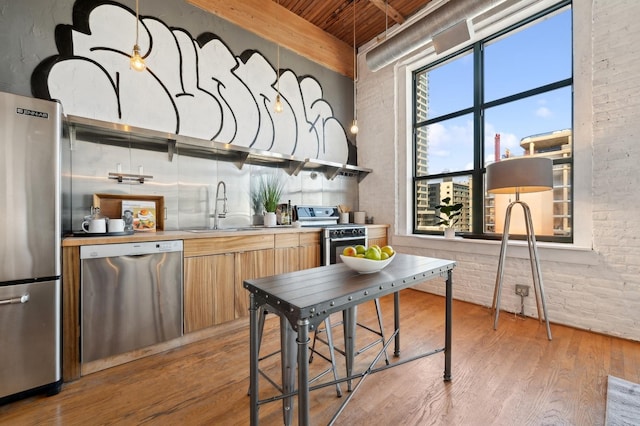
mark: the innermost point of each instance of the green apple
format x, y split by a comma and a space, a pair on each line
372, 254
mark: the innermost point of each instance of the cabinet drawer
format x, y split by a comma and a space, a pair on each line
309, 238
287, 240
378, 232
206, 246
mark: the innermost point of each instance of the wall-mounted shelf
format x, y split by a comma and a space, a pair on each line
90, 130
128, 177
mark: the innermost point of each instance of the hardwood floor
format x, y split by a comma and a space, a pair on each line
506, 377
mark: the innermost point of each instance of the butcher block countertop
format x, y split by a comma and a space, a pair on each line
72, 241
179, 235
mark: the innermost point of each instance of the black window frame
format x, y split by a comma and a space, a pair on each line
477, 174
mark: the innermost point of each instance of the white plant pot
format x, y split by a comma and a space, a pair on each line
270, 219
449, 233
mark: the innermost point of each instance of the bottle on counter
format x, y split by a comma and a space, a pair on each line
284, 216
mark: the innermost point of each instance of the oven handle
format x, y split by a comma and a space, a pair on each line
345, 239
23, 299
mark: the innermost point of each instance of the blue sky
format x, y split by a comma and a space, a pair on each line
536, 55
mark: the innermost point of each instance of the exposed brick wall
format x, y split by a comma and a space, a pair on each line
597, 290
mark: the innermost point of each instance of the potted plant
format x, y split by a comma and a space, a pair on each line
270, 191
257, 206
452, 213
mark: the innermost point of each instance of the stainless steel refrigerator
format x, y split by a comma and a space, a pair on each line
30, 293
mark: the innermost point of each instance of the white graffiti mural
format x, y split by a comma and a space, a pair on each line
193, 87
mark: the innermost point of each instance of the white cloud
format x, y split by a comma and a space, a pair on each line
543, 112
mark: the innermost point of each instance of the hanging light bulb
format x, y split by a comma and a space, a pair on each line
354, 124
136, 61
278, 105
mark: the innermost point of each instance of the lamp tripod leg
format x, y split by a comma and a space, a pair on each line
536, 273
495, 308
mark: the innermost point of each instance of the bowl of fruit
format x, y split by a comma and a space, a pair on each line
367, 260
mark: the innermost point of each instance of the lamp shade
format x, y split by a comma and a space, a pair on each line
520, 174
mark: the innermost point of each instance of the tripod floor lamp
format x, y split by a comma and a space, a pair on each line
520, 175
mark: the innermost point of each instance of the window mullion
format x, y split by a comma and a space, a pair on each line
477, 194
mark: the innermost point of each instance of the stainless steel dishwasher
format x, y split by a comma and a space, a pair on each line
131, 296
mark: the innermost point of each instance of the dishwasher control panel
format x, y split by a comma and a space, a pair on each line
169, 245
129, 249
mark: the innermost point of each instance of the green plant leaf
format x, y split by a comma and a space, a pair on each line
451, 211
270, 190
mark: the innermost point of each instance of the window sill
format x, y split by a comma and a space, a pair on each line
552, 252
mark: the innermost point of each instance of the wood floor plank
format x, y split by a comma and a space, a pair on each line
512, 375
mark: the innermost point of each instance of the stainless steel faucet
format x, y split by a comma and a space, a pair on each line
222, 215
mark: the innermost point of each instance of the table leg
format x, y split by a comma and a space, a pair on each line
349, 316
303, 372
448, 321
396, 322
253, 359
288, 359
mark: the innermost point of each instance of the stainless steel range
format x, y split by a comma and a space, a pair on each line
335, 237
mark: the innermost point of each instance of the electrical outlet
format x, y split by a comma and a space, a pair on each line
522, 290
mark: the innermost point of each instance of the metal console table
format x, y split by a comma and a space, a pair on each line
305, 298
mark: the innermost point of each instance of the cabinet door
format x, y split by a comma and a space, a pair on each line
287, 259
309, 250
309, 256
249, 265
380, 242
286, 253
208, 291
377, 236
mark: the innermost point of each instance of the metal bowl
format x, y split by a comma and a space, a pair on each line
365, 266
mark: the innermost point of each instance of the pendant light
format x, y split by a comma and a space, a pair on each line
137, 62
354, 124
278, 105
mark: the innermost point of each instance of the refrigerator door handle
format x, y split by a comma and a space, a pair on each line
22, 299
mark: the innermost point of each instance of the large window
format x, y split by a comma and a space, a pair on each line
506, 96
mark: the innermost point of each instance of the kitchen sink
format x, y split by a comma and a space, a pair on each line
208, 230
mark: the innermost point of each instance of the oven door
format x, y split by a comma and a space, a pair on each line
333, 248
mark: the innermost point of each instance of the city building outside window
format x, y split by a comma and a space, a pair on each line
508, 95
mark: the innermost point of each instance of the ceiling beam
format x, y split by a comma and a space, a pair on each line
275, 23
388, 10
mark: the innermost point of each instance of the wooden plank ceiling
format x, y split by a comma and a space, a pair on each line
320, 30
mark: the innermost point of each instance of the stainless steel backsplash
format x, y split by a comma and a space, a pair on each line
187, 183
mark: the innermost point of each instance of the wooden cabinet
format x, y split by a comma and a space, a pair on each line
294, 252
309, 250
250, 264
377, 235
286, 253
209, 291
214, 269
